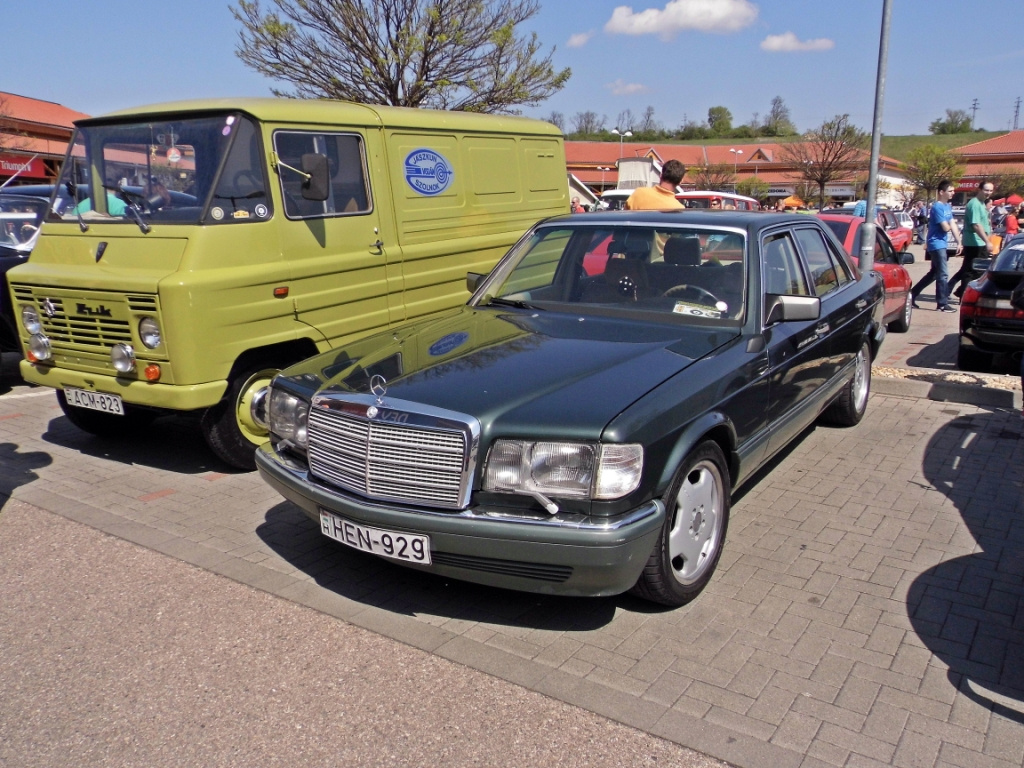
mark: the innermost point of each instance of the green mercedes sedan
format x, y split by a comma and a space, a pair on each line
580, 425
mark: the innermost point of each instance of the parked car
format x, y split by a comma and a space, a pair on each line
21, 216
990, 327
905, 220
583, 434
888, 263
898, 234
701, 198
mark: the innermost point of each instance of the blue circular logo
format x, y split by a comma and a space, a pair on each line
446, 344
428, 172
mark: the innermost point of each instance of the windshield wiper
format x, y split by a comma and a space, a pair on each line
132, 203
505, 302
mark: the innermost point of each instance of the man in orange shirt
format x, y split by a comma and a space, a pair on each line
661, 197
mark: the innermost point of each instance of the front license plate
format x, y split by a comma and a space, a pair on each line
94, 401
406, 547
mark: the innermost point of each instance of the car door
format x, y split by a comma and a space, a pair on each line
798, 350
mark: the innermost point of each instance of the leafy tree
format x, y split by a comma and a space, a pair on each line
691, 129
587, 123
1009, 183
832, 151
927, 165
441, 54
714, 176
719, 120
777, 121
753, 186
957, 121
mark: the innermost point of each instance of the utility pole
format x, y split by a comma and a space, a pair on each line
1016, 112
974, 111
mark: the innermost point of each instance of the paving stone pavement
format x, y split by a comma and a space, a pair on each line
868, 609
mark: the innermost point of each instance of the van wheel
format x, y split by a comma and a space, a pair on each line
691, 539
238, 423
852, 403
134, 421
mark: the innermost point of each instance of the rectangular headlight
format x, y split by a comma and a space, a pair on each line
288, 416
576, 470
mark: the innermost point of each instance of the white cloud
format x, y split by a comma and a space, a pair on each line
788, 42
680, 15
580, 39
622, 88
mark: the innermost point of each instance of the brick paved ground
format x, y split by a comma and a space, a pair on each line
868, 610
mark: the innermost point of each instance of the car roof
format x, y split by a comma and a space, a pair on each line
752, 221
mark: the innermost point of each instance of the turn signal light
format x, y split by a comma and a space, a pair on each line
281, 292
152, 372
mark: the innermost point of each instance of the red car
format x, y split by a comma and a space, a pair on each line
899, 235
889, 263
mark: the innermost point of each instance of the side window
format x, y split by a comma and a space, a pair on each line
782, 272
826, 273
348, 194
883, 250
241, 192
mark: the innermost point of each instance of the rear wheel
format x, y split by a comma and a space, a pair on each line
691, 539
238, 423
852, 403
101, 424
902, 323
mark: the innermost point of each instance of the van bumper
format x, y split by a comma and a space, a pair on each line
142, 393
557, 554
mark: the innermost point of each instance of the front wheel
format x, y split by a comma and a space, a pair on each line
902, 323
691, 539
238, 424
101, 424
852, 403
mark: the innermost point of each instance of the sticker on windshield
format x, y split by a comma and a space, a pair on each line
428, 172
682, 308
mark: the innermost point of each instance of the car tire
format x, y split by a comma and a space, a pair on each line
693, 534
970, 359
134, 421
849, 408
236, 425
902, 323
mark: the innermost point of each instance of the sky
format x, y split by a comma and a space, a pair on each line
680, 57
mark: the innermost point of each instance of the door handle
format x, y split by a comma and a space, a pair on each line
861, 303
821, 330
379, 245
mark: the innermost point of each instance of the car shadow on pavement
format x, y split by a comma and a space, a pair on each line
171, 443
17, 469
969, 611
376, 582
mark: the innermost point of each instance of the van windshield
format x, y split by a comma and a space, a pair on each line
178, 170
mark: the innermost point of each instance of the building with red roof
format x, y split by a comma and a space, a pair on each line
34, 136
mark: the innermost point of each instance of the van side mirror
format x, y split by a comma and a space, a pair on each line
318, 185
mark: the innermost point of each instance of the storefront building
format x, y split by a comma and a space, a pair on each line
34, 136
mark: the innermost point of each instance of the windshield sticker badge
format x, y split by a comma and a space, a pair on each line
428, 172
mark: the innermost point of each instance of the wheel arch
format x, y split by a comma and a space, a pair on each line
279, 355
712, 426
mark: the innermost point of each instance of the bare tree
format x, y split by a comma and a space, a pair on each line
587, 123
441, 54
777, 121
10, 136
557, 119
647, 123
625, 121
716, 176
832, 151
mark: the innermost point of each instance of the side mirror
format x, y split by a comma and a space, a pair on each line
784, 309
905, 257
473, 281
318, 185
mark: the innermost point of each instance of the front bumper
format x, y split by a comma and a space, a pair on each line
558, 554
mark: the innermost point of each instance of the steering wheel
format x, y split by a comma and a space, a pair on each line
703, 296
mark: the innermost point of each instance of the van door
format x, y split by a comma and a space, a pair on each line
337, 256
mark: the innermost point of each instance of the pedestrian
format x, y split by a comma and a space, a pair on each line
662, 196
920, 215
940, 224
860, 208
575, 205
1010, 223
977, 237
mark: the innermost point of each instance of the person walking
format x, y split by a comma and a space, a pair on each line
940, 224
661, 197
977, 240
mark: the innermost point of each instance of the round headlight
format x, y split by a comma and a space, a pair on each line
149, 332
122, 357
30, 319
39, 346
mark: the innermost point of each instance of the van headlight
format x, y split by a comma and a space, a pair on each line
30, 319
576, 470
288, 417
149, 332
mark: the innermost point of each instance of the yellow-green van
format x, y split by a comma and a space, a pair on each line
202, 246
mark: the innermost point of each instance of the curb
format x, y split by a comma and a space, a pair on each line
949, 392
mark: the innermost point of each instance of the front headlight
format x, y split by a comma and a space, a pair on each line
288, 417
149, 332
576, 470
30, 319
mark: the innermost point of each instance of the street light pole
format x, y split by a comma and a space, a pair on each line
602, 169
621, 137
735, 159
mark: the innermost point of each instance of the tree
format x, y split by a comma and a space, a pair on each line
957, 121
714, 176
719, 120
928, 165
754, 187
441, 54
557, 119
587, 123
777, 122
832, 151
625, 120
